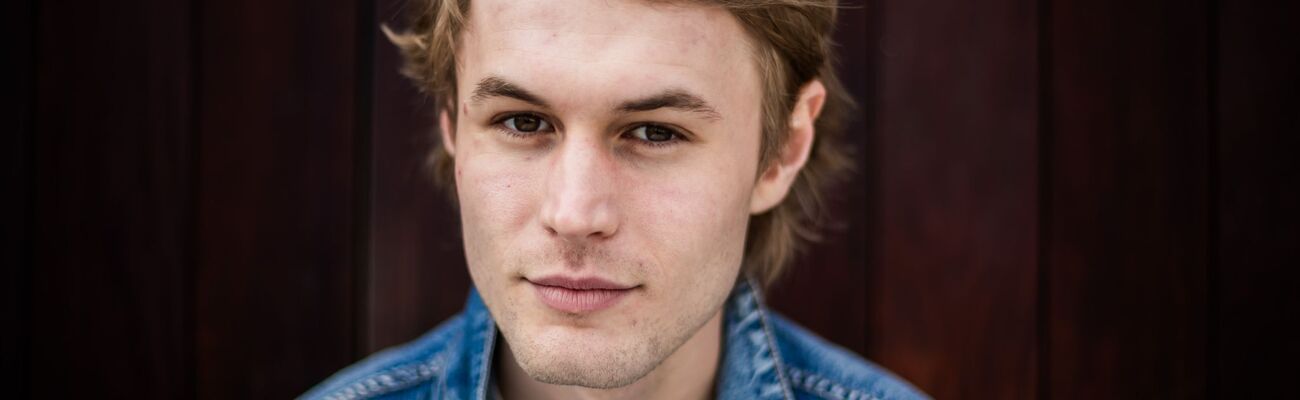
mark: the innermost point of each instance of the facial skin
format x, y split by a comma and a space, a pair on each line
616, 140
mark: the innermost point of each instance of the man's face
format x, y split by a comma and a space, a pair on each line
605, 159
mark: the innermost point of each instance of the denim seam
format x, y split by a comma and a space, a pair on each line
485, 363
826, 388
387, 381
771, 342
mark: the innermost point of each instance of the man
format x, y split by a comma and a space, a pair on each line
624, 171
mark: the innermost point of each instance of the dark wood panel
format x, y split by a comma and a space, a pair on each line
17, 33
955, 269
418, 277
277, 226
1128, 199
1259, 226
113, 195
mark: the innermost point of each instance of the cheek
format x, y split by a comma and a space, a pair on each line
497, 198
693, 207
697, 219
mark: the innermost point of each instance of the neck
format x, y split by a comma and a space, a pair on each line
686, 374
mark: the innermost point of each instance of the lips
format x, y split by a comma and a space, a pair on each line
579, 295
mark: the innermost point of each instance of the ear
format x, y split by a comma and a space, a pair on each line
781, 172
447, 131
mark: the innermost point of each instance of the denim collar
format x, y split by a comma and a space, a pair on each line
751, 366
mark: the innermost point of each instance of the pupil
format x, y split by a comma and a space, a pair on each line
657, 134
526, 123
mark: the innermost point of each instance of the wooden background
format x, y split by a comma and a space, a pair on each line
1057, 198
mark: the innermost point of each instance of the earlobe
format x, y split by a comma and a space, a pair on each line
775, 182
447, 132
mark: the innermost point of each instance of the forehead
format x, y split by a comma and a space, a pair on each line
581, 48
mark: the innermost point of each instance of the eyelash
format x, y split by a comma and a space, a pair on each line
678, 136
500, 125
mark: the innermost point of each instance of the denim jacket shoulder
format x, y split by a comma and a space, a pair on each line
765, 357
767, 353
449, 362
818, 369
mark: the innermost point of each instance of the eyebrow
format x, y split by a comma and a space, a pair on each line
672, 98
679, 99
496, 87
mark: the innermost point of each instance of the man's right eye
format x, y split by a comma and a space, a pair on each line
526, 123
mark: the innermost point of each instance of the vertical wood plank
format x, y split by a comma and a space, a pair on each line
1129, 222
275, 281
418, 277
954, 278
17, 33
1255, 317
113, 195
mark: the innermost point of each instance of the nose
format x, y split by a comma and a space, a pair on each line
580, 188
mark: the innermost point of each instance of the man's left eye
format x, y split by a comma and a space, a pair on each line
654, 134
527, 123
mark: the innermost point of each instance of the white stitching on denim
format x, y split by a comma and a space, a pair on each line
757, 297
385, 381
489, 344
825, 388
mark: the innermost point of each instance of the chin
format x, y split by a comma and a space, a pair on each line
587, 379
569, 359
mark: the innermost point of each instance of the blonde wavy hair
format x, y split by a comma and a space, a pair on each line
793, 46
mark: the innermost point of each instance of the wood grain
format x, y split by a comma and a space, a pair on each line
1128, 198
1255, 307
954, 282
17, 38
112, 200
276, 227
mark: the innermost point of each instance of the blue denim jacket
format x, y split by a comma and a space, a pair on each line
766, 357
